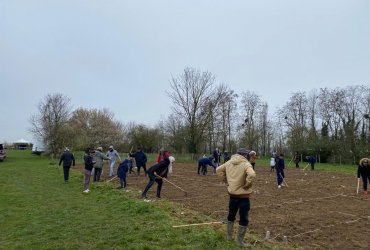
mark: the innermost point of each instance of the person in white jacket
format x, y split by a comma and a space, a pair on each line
112, 155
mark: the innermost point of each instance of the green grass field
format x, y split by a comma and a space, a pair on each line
39, 211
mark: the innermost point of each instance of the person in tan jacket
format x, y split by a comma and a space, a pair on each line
238, 175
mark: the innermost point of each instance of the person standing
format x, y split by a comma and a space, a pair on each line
217, 156
99, 157
312, 162
297, 159
156, 173
160, 155
140, 159
280, 166
89, 164
112, 154
363, 171
272, 164
68, 159
253, 158
239, 176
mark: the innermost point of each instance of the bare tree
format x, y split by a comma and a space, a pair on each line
251, 106
194, 98
50, 124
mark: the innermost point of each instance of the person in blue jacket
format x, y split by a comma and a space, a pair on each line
312, 161
280, 165
121, 173
203, 163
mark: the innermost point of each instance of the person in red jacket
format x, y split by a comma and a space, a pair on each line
160, 155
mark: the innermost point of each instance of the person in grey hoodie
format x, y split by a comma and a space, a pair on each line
98, 166
238, 174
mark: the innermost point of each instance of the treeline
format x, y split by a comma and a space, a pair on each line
332, 124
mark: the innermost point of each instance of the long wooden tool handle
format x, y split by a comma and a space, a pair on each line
358, 184
173, 184
199, 224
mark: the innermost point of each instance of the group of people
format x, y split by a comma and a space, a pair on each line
93, 165
238, 173
215, 160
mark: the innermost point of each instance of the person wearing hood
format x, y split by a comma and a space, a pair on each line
99, 157
239, 176
112, 154
157, 172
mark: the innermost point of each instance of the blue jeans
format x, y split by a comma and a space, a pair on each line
241, 204
111, 167
66, 172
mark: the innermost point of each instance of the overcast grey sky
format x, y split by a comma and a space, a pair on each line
121, 54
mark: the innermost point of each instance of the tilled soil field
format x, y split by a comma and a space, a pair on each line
318, 210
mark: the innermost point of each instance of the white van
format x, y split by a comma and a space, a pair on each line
38, 149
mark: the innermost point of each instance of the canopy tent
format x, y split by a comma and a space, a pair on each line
22, 144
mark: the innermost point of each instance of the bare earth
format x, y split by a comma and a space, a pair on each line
317, 210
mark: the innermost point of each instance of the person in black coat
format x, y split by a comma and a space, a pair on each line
280, 166
203, 163
156, 173
312, 161
121, 172
363, 171
89, 164
68, 159
140, 159
217, 156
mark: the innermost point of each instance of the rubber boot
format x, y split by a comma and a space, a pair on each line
230, 230
240, 240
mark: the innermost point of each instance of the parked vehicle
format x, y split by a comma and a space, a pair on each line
37, 149
2, 152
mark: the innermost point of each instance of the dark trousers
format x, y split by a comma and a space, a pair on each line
123, 181
66, 172
312, 166
241, 204
253, 164
138, 169
97, 174
202, 168
297, 164
152, 179
365, 178
280, 175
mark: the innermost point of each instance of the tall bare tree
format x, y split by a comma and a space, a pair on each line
194, 96
50, 124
